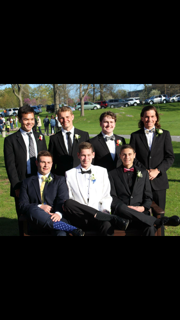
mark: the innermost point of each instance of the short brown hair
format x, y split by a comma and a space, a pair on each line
126, 146
44, 153
85, 145
147, 108
64, 109
107, 114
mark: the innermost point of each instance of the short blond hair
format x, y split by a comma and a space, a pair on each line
64, 109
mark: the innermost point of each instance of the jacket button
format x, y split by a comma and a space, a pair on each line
131, 197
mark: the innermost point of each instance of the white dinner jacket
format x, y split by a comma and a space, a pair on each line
99, 191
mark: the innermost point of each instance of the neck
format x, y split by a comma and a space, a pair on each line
85, 168
128, 166
108, 134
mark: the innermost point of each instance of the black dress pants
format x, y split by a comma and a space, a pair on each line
82, 216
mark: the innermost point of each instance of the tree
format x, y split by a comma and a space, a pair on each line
56, 98
17, 90
83, 91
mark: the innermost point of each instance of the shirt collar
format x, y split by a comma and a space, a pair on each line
149, 129
105, 135
85, 169
40, 175
24, 132
65, 131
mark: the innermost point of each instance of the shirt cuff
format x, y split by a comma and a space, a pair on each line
59, 213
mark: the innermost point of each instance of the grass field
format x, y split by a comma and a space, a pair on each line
127, 119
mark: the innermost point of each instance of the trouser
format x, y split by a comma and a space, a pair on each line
159, 197
82, 216
138, 220
46, 129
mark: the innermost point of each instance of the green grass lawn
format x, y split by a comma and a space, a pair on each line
127, 119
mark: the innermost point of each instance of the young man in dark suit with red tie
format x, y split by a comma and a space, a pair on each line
20, 153
132, 195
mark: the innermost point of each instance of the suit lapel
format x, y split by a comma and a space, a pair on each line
20, 141
143, 139
61, 142
48, 187
118, 147
121, 176
75, 143
80, 183
102, 142
35, 183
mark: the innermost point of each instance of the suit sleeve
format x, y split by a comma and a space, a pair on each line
51, 150
116, 201
69, 187
24, 202
147, 194
168, 154
10, 164
106, 197
62, 195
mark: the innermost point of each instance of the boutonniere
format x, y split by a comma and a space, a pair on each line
40, 137
119, 143
93, 179
159, 131
49, 179
77, 136
139, 174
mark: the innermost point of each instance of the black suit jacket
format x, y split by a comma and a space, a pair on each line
15, 154
102, 155
55, 193
141, 194
62, 161
161, 155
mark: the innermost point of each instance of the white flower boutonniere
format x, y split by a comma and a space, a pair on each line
40, 137
77, 136
93, 179
139, 174
49, 179
159, 131
119, 143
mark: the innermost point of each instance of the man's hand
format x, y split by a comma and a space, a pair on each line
137, 208
46, 208
55, 217
153, 173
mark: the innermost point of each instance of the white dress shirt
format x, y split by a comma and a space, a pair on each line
111, 144
149, 137
66, 138
40, 181
26, 141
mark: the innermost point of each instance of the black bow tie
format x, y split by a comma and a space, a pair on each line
110, 138
89, 171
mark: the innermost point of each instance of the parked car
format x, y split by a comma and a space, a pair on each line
174, 97
50, 107
117, 103
36, 109
103, 104
161, 98
15, 111
133, 101
88, 105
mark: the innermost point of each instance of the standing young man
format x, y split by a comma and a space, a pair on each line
64, 144
132, 196
154, 150
20, 153
89, 191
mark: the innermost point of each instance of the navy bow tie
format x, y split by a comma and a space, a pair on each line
148, 131
110, 138
89, 171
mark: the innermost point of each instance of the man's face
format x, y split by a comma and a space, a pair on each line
27, 121
66, 120
127, 156
108, 124
85, 157
149, 119
44, 165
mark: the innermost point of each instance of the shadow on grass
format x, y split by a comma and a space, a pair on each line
9, 227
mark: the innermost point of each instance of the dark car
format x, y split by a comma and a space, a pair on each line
116, 103
103, 104
36, 109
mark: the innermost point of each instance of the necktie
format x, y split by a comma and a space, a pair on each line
110, 138
42, 188
32, 154
148, 131
69, 142
126, 170
89, 171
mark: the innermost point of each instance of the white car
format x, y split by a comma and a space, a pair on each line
174, 97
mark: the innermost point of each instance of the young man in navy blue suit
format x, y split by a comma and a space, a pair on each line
45, 210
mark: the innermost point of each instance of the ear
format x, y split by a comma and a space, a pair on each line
93, 155
36, 163
78, 155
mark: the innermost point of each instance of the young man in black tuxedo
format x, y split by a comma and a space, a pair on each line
154, 150
42, 196
132, 196
20, 152
106, 144
64, 144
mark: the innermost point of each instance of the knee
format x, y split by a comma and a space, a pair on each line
68, 204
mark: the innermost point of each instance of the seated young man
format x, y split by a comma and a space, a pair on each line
89, 192
42, 196
132, 195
